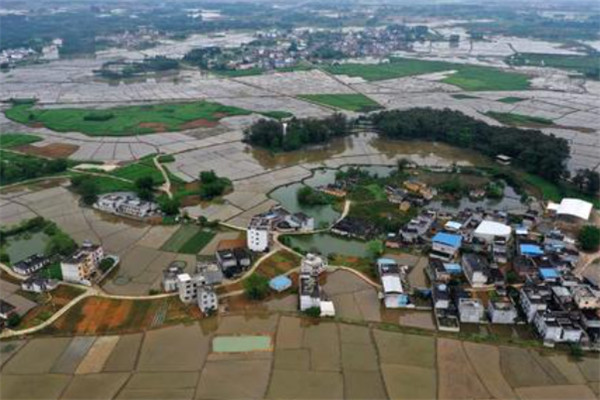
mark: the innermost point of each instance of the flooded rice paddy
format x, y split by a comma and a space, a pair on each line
22, 246
328, 244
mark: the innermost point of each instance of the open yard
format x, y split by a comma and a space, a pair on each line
353, 102
125, 121
467, 77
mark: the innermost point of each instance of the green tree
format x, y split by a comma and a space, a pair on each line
60, 243
375, 248
313, 312
589, 238
13, 321
144, 187
169, 206
256, 287
88, 190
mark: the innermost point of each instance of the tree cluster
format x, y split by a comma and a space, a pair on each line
587, 181
308, 196
298, 133
589, 238
211, 185
87, 188
20, 168
532, 150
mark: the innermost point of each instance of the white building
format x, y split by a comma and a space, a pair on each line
258, 236
83, 264
309, 292
391, 283
170, 275
313, 264
585, 297
188, 287
126, 203
488, 231
572, 208
533, 299
208, 301
556, 327
476, 269
502, 312
470, 310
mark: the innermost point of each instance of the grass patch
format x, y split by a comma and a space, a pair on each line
462, 96
179, 238
197, 242
551, 191
519, 119
278, 264
467, 77
167, 158
511, 100
8, 140
353, 102
108, 184
125, 121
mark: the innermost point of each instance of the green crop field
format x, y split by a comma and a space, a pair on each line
352, 102
467, 77
142, 168
8, 140
188, 239
125, 121
511, 100
461, 96
197, 242
519, 120
589, 65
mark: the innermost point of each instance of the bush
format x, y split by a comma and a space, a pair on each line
313, 312
98, 116
589, 238
576, 351
13, 321
4, 258
308, 196
170, 206
106, 264
256, 287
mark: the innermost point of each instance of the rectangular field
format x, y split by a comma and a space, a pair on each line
352, 102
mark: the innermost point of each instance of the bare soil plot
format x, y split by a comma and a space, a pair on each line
125, 353
8, 349
75, 352
163, 380
29, 387
520, 369
279, 263
550, 368
562, 392
156, 394
590, 368
246, 379
354, 334
485, 359
399, 348
244, 324
37, 357
97, 355
305, 385
417, 319
290, 333
452, 385
292, 359
568, 368
159, 353
323, 341
359, 357
409, 383
95, 386
363, 385
52, 150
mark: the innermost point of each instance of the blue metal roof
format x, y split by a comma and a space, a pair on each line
531, 250
452, 267
448, 239
280, 283
549, 273
385, 261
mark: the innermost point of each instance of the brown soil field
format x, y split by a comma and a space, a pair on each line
485, 359
566, 392
53, 150
451, 358
156, 126
190, 201
199, 123
59, 298
521, 369
279, 263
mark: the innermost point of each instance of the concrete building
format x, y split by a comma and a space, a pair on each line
445, 246
207, 298
187, 287
81, 266
258, 236
556, 327
502, 312
39, 284
488, 231
534, 299
31, 264
126, 203
309, 292
391, 282
585, 297
476, 269
169, 281
313, 264
470, 310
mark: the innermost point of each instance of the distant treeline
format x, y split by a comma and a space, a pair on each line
532, 150
119, 70
298, 133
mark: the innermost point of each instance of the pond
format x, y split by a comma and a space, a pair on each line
510, 202
286, 196
326, 244
22, 246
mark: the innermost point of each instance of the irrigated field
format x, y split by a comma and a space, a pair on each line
125, 121
352, 102
467, 77
188, 239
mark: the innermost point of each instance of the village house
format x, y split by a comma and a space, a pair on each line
81, 266
445, 246
476, 269
502, 312
232, 257
489, 231
187, 286
418, 227
534, 298
391, 282
586, 298
354, 228
169, 281
556, 327
39, 284
7, 310
31, 264
258, 235
126, 203
470, 310
208, 301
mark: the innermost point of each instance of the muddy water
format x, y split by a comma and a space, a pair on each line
510, 202
286, 196
420, 152
23, 246
327, 244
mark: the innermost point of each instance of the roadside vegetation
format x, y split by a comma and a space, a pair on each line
467, 77
353, 102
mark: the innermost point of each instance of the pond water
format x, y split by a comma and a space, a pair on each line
22, 246
286, 196
510, 202
326, 244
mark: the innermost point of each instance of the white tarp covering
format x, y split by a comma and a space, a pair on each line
327, 309
391, 284
576, 208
